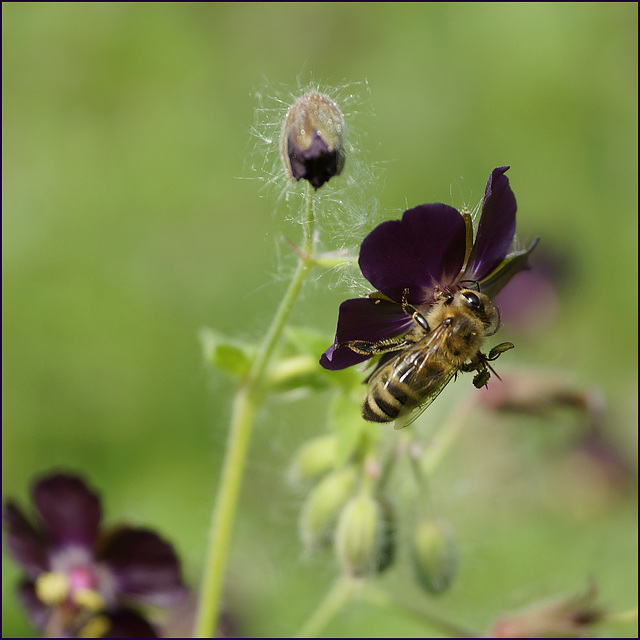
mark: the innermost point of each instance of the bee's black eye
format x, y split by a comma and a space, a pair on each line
447, 297
473, 300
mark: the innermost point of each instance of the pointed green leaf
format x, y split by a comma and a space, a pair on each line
226, 354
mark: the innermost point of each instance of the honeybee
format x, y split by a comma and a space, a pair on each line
440, 344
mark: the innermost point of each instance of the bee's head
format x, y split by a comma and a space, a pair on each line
480, 306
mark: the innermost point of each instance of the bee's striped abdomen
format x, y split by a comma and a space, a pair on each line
387, 398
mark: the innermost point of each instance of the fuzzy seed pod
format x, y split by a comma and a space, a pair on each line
314, 458
322, 506
434, 555
312, 143
357, 533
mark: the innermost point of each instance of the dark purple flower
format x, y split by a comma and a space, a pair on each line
432, 248
80, 581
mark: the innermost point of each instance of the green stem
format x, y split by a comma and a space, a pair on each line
338, 596
381, 599
346, 588
244, 409
629, 616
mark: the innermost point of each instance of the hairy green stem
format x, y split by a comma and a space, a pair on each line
339, 594
381, 599
346, 588
629, 616
244, 409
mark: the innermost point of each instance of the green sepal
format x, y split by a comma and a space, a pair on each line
226, 354
296, 372
508, 268
299, 364
386, 552
308, 341
468, 225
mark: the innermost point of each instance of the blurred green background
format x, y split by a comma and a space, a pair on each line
126, 228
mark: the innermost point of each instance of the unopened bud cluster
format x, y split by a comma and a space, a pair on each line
339, 511
312, 142
348, 508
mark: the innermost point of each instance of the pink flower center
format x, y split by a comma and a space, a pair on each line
81, 577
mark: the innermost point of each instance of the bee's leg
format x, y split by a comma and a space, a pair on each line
482, 377
481, 365
468, 367
499, 349
411, 311
480, 360
366, 348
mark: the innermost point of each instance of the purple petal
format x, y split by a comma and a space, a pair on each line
180, 619
425, 248
70, 512
27, 546
370, 319
144, 566
317, 164
128, 624
496, 228
335, 358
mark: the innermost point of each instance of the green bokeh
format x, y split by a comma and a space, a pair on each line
127, 227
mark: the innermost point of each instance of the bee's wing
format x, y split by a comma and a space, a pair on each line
429, 385
404, 420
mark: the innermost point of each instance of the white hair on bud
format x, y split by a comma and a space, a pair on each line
346, 208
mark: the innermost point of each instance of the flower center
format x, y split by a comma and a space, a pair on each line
76, 586
73, 582
83, 590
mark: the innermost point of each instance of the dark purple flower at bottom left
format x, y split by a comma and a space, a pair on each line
81, 581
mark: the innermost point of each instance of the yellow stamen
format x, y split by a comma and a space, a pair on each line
97, 627
52, 588
88, 599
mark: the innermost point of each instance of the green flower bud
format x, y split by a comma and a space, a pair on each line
357, 535
434, 555
322, 506
314, 458
312, 143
